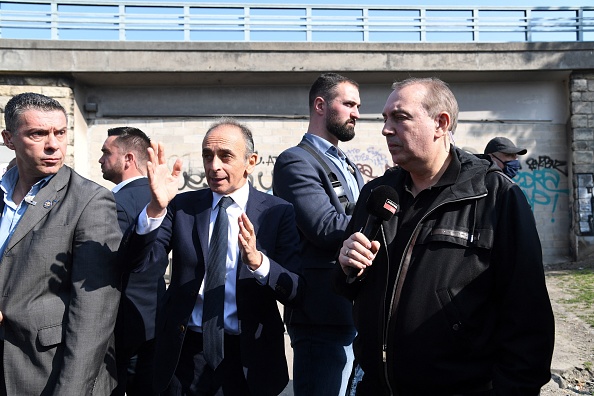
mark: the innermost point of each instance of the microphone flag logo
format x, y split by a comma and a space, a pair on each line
391, 206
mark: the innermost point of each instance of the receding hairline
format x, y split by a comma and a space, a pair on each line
244, 131
437, 97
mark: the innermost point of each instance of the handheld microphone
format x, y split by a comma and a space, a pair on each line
381, 206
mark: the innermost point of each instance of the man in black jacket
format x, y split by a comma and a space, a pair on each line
451, 298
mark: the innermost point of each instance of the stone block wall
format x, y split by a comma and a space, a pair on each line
581, 126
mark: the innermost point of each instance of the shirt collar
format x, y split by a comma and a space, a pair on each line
451, 173
449, 177
240, 197
123, 183
10, 178
324, 146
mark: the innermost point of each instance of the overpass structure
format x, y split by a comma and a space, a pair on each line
539, 94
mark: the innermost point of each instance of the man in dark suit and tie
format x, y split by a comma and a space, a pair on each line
323, 185
58, 276
219, 330
124, 163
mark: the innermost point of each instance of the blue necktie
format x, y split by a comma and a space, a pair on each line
214, 289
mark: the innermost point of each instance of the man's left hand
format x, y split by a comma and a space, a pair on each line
250, 255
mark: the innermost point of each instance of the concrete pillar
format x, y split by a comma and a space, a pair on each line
581, 127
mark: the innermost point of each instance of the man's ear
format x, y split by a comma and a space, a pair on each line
442, 124
129, 160
7, 137
251, 163
319, 105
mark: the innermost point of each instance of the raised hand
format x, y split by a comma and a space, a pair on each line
164, 184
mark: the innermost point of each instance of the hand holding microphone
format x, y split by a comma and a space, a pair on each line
381, 206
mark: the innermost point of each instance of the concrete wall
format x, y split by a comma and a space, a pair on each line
526, 92
533, 114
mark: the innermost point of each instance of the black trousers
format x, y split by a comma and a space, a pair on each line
135, 370
193, 376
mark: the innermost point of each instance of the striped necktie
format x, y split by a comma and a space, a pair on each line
214, 288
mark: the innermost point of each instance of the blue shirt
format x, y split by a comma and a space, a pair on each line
12, 213
338, 158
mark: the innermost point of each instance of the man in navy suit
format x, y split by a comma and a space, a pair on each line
323, 185
262, 267
124, 163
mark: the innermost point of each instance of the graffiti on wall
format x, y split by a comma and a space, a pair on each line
197, 181
369, 160
371, 163
541, 179
585, 206
546, 162
541, 184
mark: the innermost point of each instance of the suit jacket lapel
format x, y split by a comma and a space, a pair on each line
46, 200
203, 222
253, 210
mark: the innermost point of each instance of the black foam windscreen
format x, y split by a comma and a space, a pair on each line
383, 202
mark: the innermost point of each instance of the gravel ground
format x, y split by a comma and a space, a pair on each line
573, 357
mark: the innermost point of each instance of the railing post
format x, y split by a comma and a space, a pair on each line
475, 25
187, 29
246, 23
423, 25
122, 22
54, 20
528, 22
308, 27
580, 24
365, 24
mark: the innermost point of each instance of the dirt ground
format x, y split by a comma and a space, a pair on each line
573, 358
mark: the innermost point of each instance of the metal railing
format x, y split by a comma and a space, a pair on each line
189, 21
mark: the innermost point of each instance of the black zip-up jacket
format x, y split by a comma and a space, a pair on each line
472, 312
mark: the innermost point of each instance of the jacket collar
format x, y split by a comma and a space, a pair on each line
47, 199
464, 178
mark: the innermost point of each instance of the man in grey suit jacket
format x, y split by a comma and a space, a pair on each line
323, 185
58, 276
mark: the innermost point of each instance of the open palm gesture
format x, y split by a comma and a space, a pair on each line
164, 184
